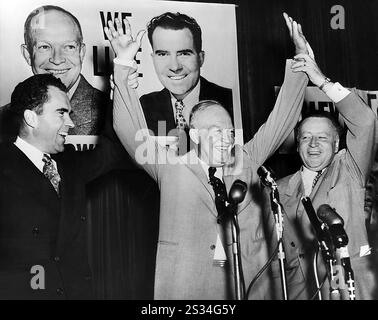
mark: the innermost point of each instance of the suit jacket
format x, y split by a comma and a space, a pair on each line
188, 217
157, 106
342, 186
39, 228
88, 109
88, 113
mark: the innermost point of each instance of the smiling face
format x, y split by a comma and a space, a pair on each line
52, 125
176, 61
215, 135
56, 47
318, 143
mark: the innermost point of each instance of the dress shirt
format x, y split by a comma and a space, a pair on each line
219, 253
189, 102
308, 177
34, 155
71, 92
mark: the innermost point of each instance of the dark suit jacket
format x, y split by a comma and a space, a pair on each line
39, 228
157, 105
88, 109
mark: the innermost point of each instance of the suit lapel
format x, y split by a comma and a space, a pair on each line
23, 172
190, 160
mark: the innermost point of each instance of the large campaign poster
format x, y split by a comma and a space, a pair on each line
219, 42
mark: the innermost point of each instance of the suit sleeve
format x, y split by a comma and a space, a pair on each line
131, 127
281, 120
360, 122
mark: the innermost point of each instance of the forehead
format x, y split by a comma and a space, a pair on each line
213, 116
315, 125
172, 40
57, 99
54, 25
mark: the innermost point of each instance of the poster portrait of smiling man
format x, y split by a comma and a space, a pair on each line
185, 55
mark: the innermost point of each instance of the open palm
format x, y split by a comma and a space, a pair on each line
123, 44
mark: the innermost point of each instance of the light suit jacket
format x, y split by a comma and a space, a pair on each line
342, 186
188, 216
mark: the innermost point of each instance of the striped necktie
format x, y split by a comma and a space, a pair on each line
319, 173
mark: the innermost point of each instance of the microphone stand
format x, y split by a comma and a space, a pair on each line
278, 217
325, 244
239, 289
236, 195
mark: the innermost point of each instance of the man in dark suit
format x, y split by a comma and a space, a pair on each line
176, 42
42, 203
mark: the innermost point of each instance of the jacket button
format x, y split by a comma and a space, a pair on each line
59, 291
35, 231
56, 259
83, 218
212, 247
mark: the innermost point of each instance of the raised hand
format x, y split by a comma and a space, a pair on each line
123, 44
296, 34
303, 62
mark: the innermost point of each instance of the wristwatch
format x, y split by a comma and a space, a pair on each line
326, 80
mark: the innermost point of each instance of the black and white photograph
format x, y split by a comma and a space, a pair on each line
197, 152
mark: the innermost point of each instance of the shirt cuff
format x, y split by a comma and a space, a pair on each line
336, 92
126, 63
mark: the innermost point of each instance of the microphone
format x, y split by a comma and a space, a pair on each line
266, 177
335, 225
315, 222
237, 192
322, 237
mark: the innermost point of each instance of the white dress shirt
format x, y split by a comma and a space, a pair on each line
189, 102
34, 155
219, 253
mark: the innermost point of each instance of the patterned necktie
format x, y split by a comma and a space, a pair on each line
180, 120
51, 172
316, 179
220, 193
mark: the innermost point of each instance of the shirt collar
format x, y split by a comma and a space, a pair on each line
71, 92
205, 167
189, 101
308, 177
35, 155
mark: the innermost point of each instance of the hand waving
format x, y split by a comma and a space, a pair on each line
123, 44
296, 34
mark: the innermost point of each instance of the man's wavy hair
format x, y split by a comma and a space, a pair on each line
32, 94
176, 21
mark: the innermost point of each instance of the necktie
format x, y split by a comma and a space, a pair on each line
220, 193
51, 172
180, 120
316, 179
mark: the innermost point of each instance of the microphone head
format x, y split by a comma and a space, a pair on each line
335, 224
237, 192
329, 216
266, 176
